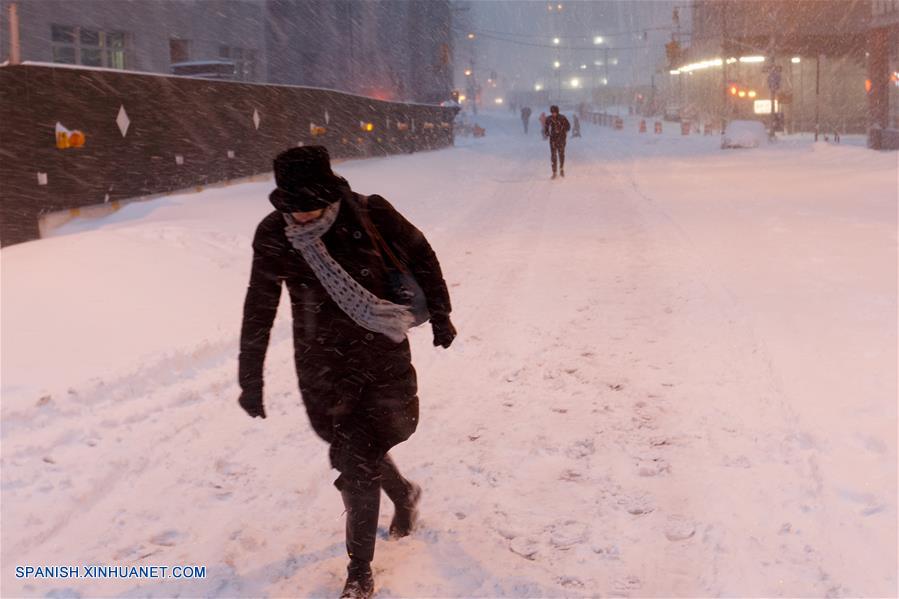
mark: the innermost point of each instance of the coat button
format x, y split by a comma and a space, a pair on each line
364, 272
369, 337
357, 234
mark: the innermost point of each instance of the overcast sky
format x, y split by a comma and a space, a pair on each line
515, 39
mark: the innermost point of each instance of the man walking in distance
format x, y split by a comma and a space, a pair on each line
525, 117
556, 128
352, 358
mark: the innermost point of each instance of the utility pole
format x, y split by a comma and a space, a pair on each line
817, 92
724, 57
15, 51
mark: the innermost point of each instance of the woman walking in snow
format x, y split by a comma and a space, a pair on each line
352, 357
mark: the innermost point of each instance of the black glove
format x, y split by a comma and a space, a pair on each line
251, 401
444, 331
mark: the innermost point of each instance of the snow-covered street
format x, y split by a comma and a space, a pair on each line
676, 375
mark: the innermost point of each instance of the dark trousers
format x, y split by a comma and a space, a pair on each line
525, 123
557, 154
363, 505
362, 413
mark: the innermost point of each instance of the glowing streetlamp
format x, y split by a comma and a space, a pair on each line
556, 64
556, 41
597, 40
538, 87
468, 72
471, 36
575, 82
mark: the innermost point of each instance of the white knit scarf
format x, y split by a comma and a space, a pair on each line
366, 309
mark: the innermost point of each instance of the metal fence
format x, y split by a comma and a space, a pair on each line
71, 138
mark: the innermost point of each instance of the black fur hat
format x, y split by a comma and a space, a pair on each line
297, 168
305, 180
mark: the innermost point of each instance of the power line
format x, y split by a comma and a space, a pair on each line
592, 48
585, 36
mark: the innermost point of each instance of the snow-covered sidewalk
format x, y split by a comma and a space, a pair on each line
675, 376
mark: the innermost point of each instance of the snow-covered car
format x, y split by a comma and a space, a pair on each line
743, 134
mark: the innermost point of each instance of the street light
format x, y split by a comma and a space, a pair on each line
556, 64
556, 41
597, 40
471, 36
468, 72
538, 87
575, 82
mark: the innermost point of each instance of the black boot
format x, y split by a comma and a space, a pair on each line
362, 507
359, 581
405, 496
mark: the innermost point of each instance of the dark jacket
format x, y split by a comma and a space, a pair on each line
328, 344
556, 128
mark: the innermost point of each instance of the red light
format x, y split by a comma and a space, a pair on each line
868, 86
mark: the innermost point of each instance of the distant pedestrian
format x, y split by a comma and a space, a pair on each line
543, 124
525, 117
556, 129
576, 129
340, 256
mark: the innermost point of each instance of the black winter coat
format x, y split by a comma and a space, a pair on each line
556, 128
324, 336
351, 379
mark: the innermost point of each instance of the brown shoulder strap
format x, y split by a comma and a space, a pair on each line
373, 232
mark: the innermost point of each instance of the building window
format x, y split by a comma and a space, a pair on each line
244, 61
89, 47
179, 51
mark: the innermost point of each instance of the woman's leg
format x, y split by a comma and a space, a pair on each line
405, 496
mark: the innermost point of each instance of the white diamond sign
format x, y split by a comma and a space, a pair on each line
256, 118
123, 121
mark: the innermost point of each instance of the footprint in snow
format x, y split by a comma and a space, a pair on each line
168, 538
679, 528
565, 535
570, 582
526, 547
609, 552
737, 462
572, 476
653, 467
581, 449
627, 583
639, 505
